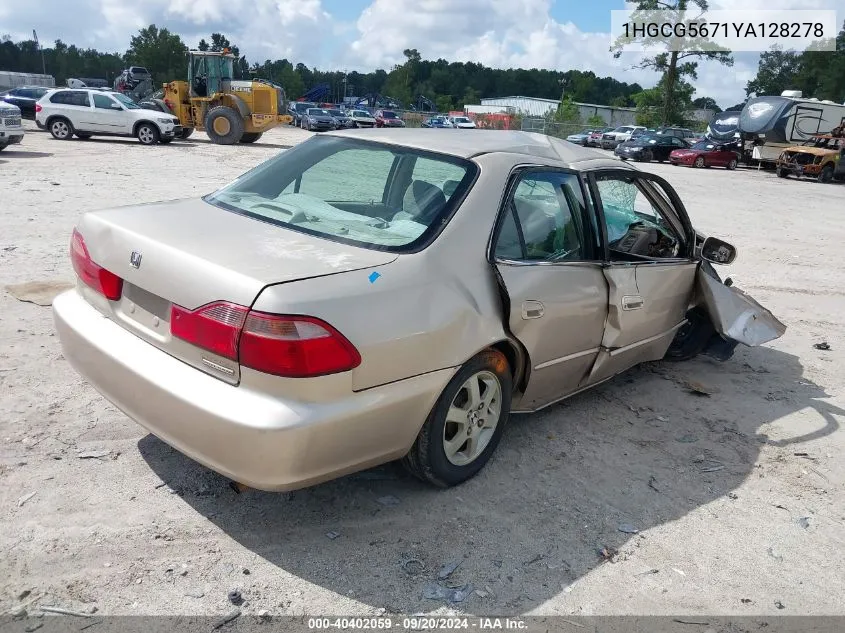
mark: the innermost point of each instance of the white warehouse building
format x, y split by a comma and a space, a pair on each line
536, 107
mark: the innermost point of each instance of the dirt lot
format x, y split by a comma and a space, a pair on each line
738, 497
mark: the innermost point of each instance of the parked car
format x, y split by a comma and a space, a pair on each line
681, 132
649, 147
89, 112
581, 138
341, 118
388, 118
821, 157
317, 120
292, 340
24, 98
594, 139
609, 140
362, 118
462, 122
11, 127
437, 121
707, 153
297, 109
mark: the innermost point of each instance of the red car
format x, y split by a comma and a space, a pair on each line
388, 118
706, 154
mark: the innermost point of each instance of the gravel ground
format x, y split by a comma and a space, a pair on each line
736, 498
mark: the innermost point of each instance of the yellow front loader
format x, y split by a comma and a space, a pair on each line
228, 110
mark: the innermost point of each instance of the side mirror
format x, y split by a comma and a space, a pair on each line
717, 251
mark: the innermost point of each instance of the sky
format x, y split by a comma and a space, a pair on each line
366, 34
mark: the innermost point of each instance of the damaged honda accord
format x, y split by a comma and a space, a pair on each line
363, 298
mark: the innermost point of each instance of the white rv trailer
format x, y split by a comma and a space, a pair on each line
769, 124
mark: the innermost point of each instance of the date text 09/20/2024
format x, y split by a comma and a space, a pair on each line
418, 623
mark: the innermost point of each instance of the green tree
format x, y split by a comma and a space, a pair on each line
444, 103
160, 51
567, 111
203, 45
596, 121
706, 103
777, 71
672, 65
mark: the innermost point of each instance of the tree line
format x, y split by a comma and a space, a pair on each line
448, 85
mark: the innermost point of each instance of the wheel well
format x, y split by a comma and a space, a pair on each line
54, 117
517, 360
140, 123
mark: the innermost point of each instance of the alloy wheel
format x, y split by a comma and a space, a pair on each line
472, 418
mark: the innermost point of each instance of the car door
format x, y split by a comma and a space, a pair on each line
675, 143
109, 117
76, 105
650, 267
546, 255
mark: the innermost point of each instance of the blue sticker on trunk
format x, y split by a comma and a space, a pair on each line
373, 276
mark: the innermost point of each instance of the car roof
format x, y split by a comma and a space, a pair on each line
481, 142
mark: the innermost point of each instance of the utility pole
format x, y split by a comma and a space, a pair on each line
43, 63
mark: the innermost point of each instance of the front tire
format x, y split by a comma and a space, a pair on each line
732, 165
61, 129
782, 173
251, 137
186, 132
148, 134
466, 423
699, 162
224, 125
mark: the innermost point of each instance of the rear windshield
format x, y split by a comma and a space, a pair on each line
373, 195
388, 115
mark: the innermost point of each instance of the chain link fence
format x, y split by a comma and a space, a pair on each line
551, 128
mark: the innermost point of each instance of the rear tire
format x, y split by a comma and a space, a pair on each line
251, 137
61, 129
827, 174
224, 125
148, 134
463, 429
186, 132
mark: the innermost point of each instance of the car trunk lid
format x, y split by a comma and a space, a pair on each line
190, 253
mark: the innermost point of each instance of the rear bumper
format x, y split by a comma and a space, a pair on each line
261, 440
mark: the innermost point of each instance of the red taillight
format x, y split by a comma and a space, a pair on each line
290, 346
38, 107
103, 281
215, 327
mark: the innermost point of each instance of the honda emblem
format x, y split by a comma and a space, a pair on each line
135, 259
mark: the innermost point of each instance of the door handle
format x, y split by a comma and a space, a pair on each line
632, 302
532, 309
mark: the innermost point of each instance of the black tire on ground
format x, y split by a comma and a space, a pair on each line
692, 338
165, 141
251, 137
229, 125
646, 156
186, 132
40, 126
4, 146
827, 174
699, 162
782, 173
61, 129
148, 134
732, 164
427, 458
83, 135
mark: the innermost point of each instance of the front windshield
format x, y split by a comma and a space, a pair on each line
703, 145
624, 129
361, 113
126, 101
368, 194
316, 112
301, 107
388, 115
336, 113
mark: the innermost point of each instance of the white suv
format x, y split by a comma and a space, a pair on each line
86, 113
610, 140
11, 128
